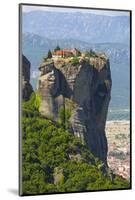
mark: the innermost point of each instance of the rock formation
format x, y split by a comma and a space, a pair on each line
26, 86
87, 84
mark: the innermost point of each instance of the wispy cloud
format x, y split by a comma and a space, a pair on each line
60, 9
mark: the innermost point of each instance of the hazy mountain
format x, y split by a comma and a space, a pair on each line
81, 26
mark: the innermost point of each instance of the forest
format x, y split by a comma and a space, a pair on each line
56, 161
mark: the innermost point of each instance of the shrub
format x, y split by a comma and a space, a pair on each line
57, 48
49, 55
90, 53
75, 60
64, 115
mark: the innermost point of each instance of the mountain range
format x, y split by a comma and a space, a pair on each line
77, 25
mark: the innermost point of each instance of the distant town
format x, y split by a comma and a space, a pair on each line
118, 136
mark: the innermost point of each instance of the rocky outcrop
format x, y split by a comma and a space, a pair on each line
87, 83
26, 86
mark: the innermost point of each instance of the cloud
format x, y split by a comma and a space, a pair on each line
30, 8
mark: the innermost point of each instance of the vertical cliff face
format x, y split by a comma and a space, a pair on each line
26, 86
87, 85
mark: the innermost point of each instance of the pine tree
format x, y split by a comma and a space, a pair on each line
57, 48
49, 54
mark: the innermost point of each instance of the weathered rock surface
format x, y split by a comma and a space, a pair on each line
88, 85
26, 86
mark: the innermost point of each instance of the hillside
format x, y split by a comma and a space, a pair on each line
56, 161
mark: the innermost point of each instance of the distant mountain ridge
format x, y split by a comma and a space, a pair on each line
82, 26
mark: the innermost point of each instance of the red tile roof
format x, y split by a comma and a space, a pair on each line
65, 51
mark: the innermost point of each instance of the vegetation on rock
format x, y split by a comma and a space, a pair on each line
54, 160
57, 48
90, 53
64, 115
49, 55
75, 60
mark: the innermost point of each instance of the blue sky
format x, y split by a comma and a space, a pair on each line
94, 11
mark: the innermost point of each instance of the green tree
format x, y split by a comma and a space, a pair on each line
57, 48
64, 115
49, 55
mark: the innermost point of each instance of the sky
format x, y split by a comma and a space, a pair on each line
29, 8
